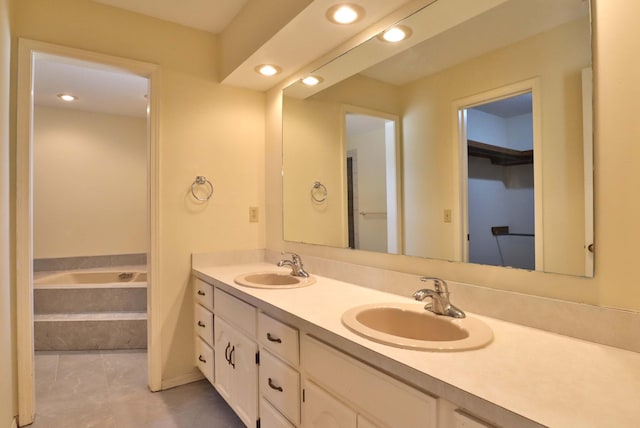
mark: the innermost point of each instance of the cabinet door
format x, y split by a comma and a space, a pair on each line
321, 410
245, 378
222, 338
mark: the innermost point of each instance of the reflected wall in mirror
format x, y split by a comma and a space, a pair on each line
462, 55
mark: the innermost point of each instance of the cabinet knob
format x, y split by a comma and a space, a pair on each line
201, 324
202, 293
202, 359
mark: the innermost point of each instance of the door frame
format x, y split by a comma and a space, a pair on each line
460, 141
27, 51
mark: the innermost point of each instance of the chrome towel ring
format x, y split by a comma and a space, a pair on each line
319, 192
201, 180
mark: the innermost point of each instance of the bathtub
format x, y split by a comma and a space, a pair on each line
95, 279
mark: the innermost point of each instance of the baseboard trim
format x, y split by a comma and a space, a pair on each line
195, 376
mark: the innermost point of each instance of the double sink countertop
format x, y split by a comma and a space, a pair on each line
524, 377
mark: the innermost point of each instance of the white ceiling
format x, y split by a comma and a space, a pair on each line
207, 15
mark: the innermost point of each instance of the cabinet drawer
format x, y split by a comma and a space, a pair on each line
204, 294
271, 418
279, 338
280, 385
204, 324
386, 399
204, 358
235, 311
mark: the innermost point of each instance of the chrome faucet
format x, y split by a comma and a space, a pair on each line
440, 303
295, 264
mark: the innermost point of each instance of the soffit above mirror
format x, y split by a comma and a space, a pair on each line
288, 33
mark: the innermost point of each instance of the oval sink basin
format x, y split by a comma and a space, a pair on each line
407, 325
273, 280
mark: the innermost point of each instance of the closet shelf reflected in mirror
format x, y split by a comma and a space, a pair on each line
499, 155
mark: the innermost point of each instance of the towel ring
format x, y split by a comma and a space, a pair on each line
199, 181
319, 188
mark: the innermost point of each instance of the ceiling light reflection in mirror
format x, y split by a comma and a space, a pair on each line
459, 51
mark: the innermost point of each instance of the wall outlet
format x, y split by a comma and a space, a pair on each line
447, 216
253, 214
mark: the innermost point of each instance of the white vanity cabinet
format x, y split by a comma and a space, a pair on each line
236, 355
340, 391
273, 376
203, 320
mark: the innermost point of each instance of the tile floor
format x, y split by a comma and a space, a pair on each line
105, 389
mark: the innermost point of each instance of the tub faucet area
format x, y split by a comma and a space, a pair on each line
297, 269
440, 303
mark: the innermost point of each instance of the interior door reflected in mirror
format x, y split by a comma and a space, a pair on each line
459, 56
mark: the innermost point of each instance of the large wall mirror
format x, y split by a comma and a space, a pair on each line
470, 140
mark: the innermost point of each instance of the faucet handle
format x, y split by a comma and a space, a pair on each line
440, 285
294, 257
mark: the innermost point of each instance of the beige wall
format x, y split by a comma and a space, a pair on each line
314, 156
205, 129
617, 206
8, 386
89, 183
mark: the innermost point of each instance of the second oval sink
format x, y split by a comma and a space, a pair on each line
273, 280
410, 326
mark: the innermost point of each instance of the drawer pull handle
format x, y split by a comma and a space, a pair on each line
274, 386
226, 355
202, 293
202, 359
201, 324
273, 338
231, 359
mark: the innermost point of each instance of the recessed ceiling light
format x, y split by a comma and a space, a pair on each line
311, 80
268, 69
395, 34
67, 97
345, 13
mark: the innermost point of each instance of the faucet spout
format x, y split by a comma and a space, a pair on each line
440, 303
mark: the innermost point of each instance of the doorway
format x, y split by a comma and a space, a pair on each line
373, 217
32, 115
500, 182
501, 194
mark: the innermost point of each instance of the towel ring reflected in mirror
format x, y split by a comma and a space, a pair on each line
319, 192
201, 180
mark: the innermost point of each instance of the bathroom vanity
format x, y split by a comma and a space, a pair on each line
284, 358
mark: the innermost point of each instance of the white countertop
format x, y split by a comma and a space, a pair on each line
544, 377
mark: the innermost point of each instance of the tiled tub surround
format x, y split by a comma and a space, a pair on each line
525, 377
88, 262
71, 312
